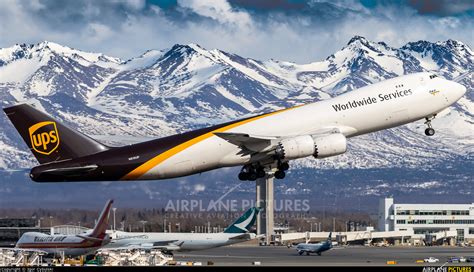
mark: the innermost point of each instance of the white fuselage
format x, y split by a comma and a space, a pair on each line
372, 108
186, 241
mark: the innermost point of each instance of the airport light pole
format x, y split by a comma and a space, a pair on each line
114, 209
143, 222
51, 225
164, 221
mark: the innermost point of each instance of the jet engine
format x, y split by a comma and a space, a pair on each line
319, 146
329, 145
296, 147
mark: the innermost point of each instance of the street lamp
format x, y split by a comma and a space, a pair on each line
114, 209
143, 222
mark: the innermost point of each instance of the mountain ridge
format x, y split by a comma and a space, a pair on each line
162, 92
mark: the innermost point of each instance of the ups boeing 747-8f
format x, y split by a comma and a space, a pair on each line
319, 129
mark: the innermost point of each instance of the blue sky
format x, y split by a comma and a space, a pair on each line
293, 30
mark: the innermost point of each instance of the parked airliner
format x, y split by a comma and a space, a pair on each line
69, 245
237, 232
257, 143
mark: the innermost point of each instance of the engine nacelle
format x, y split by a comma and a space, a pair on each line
295, 148
319, 146
329, 145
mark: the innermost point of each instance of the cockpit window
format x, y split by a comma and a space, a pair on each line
433, 76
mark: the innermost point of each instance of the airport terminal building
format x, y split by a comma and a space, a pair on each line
427, 218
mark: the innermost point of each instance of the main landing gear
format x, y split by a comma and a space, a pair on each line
430, 130
253, 172
282, 167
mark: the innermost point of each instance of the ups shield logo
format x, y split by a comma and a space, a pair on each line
44, 137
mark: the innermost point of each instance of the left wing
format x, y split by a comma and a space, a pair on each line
250, 142
170, 245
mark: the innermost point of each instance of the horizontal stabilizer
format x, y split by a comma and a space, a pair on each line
90, 238
71, 171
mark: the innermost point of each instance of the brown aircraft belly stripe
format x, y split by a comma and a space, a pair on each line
145, 167
57, 245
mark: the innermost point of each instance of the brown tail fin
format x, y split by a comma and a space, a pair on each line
48, 139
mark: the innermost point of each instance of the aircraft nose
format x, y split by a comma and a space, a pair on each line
458, 90
461, 89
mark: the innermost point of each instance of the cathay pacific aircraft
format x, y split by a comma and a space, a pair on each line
319, 129
237, 232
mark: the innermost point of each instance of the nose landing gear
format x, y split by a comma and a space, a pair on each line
430, 130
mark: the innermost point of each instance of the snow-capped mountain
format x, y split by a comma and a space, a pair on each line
163, 92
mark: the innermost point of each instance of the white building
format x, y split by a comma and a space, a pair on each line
427, 218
